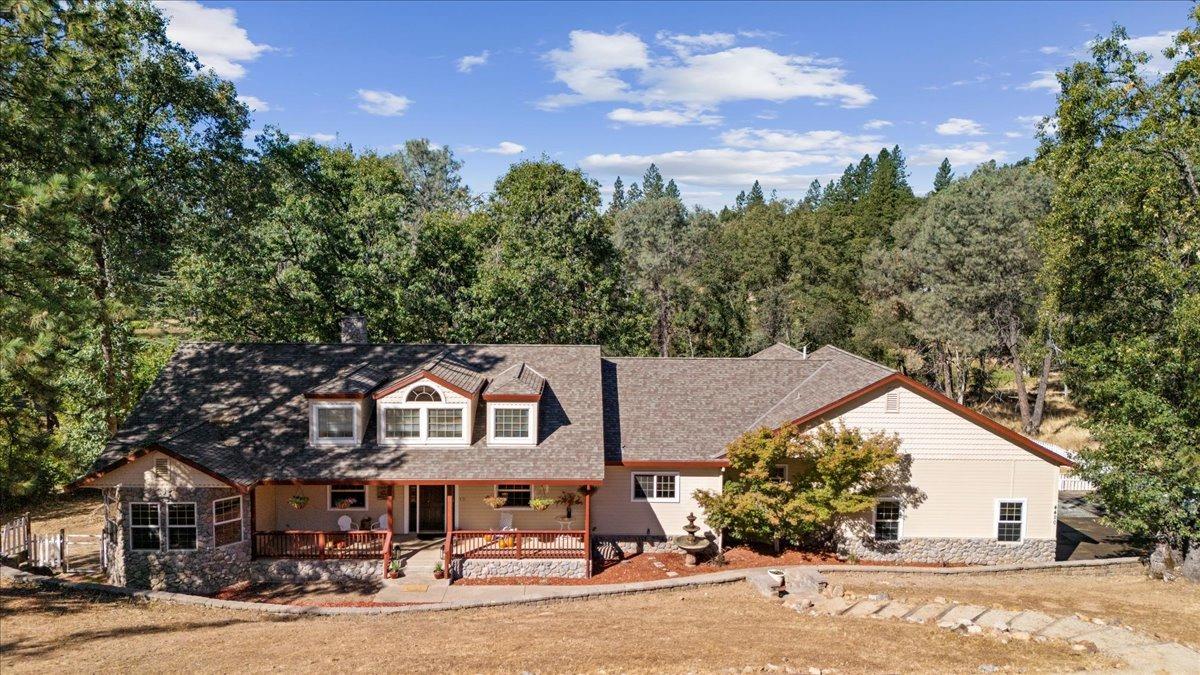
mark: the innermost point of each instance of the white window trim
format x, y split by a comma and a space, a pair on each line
496, 493
530, 439
398, 400
329, 498
996, 518
899, 521
653, 500
787, 473
240, 516
159, 527
312, 424
166, 521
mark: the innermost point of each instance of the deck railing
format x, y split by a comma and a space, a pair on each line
518, 544
320, 545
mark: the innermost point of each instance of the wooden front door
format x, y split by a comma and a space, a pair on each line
431, 508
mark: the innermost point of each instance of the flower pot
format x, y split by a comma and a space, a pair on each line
776, 576
439, 574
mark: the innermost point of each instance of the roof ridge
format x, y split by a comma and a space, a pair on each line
787, 395
856, 356
741, 359
263, 343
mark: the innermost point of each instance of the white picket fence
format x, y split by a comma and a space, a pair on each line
14, 537
49, 550
1071, 483
19, 544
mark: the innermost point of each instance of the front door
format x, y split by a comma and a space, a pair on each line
431, 508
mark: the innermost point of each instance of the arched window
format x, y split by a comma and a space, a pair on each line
423, 393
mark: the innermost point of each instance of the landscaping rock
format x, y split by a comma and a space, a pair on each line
798, 603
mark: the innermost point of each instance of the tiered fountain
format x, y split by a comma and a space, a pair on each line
690, 543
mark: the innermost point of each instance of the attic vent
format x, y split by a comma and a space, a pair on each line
162, 467
892, 402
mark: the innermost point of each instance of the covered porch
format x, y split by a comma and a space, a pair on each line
470, 521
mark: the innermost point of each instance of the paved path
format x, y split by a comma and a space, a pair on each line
1081, 535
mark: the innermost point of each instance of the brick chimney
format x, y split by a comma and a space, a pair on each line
354, 329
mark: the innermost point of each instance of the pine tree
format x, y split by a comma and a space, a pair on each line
618, 196
652, 183
812, 199
740, 201
756, 197
944, 176
634, 194
672, 190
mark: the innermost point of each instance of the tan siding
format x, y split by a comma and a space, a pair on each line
614, 512
140, 472
316, 514
475, 515
961, 468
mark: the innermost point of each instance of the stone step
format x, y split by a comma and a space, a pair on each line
831, 606
893, 610
996, 619
928, 612
962, 614
865, 608
1167, 657
1069, 627
1116, 640
1029, 622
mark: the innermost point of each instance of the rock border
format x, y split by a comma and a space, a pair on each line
1057, 566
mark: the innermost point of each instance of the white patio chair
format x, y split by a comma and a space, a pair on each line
382, 524
506, 521
344, 523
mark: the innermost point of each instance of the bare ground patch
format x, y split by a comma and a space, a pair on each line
700, 630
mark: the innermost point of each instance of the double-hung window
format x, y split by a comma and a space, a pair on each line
517, 496
421, 416
655, 487
512, 423
402, 422
334, 423
347, 497
445, 422
887, 520
227, 521
181, 527
144, 527
1010, 520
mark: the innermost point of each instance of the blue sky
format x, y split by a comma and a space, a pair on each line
716, 94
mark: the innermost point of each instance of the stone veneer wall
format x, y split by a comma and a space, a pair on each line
969, 551
614, 546
204, 570
568, 568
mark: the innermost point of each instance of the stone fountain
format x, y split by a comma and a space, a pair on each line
690, 543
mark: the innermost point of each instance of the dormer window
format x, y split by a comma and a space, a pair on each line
512, 423
334, 423
423, 393
424, 414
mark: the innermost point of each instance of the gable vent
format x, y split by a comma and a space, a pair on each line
892, 402
162, 467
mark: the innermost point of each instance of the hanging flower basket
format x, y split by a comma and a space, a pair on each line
495, 502
297, 501
541, 503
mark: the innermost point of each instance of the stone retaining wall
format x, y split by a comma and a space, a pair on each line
967, 551
568, 568
287, 570
616, 546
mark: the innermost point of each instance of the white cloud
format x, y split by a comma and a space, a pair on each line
663, 118
960, 126
1013, 134
315, 137
213, 35
1154, 45
963, 154
502, 148
767, 115
716, 167
701, 42
876, 124
469, 62
824, 146
595, 68
382, 102
255, 103
1043, 79
1049, 50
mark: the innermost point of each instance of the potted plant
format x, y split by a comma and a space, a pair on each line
495, 501
297, 501
438, 572
541, 503
394, 568
344, 504
569, 499
776, 576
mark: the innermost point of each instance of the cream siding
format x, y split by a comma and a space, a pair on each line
272, 511
473, 514
140, 472
961, 468
614, 512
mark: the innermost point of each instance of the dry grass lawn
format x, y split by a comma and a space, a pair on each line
1170, 610
82, 513
707, 629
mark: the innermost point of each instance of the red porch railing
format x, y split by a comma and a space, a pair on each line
321, 545
518, 544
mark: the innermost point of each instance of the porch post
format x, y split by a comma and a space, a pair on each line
387, 537
253, 525
587, 530
449, 544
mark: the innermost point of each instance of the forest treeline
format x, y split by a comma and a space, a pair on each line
135, 213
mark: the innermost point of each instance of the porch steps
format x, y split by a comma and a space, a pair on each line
419, 557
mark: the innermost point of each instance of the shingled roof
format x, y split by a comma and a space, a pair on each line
239, 410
